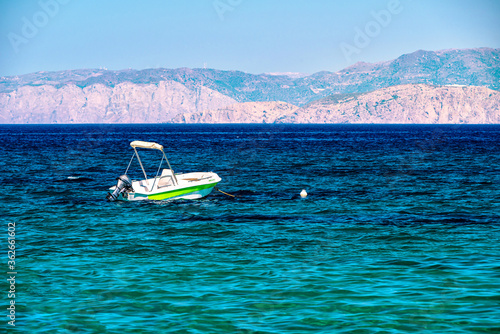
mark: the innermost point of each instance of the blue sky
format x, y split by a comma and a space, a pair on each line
254, 36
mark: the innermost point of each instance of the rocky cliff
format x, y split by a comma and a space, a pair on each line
97, 103
186, 95
402, 104
247, 112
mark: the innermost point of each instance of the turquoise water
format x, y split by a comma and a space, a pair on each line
399, 233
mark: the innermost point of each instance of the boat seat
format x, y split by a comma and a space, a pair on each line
166, 178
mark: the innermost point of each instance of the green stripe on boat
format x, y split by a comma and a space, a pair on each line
179, 192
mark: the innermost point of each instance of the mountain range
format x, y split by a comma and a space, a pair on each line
449, 86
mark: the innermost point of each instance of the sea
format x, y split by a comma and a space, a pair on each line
400, 230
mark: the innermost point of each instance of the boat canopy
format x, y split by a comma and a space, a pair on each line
146, 144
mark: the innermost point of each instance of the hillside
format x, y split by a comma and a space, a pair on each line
408, 104
247, 112
167, 95
123, 103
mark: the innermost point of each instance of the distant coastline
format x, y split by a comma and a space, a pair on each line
424, 87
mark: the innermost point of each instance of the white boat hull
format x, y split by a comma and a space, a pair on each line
167, 187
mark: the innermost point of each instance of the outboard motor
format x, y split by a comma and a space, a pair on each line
124, 184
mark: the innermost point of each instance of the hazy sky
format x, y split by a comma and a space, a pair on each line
254, 36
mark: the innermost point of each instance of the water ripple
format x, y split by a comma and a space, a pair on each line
399, 233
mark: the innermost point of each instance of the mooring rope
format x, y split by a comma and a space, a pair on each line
225, 192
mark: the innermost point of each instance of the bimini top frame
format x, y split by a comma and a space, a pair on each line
150, 145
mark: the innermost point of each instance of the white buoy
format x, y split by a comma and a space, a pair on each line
303, 193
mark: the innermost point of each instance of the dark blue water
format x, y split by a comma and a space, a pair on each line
400, 231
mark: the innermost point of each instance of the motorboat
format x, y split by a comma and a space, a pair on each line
166, 185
